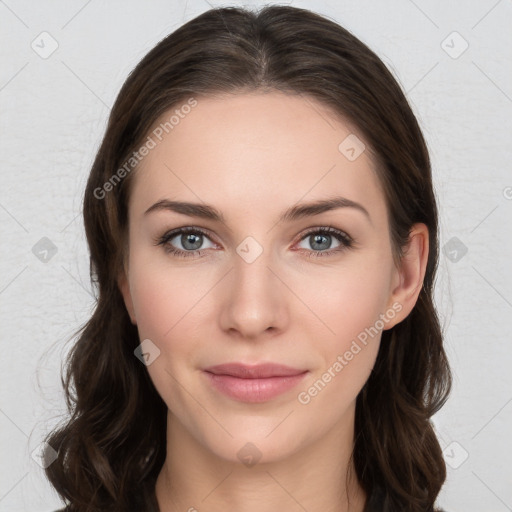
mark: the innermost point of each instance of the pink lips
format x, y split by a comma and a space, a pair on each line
258, 383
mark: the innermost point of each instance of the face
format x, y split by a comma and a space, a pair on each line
311, 290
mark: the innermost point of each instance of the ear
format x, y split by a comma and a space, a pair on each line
124, 287
408, 279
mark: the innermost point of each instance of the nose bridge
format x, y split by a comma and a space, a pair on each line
251, 267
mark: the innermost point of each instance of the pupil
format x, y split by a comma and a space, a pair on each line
318, 239
189, 239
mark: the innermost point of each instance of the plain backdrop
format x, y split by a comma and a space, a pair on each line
62, 65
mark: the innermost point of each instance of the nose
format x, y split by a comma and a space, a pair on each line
253, 299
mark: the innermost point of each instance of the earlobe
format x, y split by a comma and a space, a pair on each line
124, 288
411, 272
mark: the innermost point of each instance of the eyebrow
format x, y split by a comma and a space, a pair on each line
205, 211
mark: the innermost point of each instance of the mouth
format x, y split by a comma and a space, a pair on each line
253, 384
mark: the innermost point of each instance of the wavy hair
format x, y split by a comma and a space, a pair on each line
113, 443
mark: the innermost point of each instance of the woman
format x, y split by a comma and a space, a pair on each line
263, 235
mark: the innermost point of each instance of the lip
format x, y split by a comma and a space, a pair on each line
255, 371
255, 383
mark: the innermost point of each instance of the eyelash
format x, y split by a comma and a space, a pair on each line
346, 241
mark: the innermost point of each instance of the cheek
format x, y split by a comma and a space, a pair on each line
330, 394
171, 310
348, 353
348, 300
163, 297
350, 305
167, 307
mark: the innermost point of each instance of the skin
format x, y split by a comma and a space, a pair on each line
252, 156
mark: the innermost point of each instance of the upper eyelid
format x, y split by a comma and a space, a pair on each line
340, 234
191, 229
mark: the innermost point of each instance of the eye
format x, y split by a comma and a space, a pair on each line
320, 239
188, 240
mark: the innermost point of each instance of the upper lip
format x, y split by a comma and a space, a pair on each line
257, 371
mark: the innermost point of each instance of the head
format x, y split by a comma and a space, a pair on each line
238, 114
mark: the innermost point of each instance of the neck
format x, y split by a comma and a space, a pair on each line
319, 477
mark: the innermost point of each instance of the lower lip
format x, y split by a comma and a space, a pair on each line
253, 390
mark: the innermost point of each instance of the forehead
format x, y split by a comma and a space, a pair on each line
255, 151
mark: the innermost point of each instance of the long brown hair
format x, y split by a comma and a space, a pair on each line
113, 444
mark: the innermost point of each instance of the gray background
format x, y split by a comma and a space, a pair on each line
53, 114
